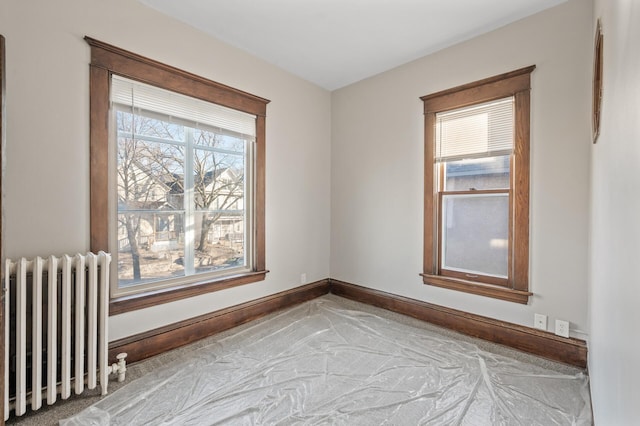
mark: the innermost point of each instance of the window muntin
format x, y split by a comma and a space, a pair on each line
181, 188
476, 215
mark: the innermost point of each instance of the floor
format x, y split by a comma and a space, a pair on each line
335, 361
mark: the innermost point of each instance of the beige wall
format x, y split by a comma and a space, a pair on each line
366, 139
374, 161
614, 348
47, 193
377, 166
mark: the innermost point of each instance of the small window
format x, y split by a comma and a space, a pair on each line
177, 180
477, 187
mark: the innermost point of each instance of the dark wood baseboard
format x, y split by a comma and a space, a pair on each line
154, 342
537, 342
542, 343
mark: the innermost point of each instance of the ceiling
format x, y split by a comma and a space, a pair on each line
333, 43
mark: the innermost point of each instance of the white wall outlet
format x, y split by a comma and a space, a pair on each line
303, 278
562, 328
540, 321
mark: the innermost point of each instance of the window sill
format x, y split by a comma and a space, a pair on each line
134, 302
486, 290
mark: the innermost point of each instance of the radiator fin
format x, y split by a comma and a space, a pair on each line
56, 333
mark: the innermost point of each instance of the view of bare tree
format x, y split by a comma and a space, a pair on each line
218, 183
155, 158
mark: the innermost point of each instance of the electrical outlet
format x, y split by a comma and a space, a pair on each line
540, 321
303, 278
562, 328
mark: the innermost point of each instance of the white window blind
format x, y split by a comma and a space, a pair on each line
144, 97
482, 130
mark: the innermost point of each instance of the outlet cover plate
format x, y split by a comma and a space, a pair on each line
540, 321
562, 328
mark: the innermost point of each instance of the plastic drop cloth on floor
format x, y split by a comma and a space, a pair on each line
320, 363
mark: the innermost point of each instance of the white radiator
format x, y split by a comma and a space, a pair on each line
56, 312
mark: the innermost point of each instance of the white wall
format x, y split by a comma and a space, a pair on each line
614, 348
47, 192
377, 166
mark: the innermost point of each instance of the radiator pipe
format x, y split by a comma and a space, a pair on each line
120, 367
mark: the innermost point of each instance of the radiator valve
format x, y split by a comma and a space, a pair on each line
120, 367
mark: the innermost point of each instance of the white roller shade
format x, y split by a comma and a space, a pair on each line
482, 130
140, 96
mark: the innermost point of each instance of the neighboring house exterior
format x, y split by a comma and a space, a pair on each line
160, 203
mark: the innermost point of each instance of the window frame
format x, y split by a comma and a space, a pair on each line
517, 84
107, 60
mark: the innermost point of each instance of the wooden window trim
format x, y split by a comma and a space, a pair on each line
107, 60
518, 84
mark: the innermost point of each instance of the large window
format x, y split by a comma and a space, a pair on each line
183, 168
476, 224
177, 180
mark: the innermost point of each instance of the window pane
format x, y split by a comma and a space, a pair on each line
150, 200
475, 233
219, 185
478, 173
141, 125
220, 242
150, 246
220, 141
150, 175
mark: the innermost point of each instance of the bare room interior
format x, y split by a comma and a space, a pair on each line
320, 212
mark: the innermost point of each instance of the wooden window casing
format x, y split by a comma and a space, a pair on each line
107, 60
515, 287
